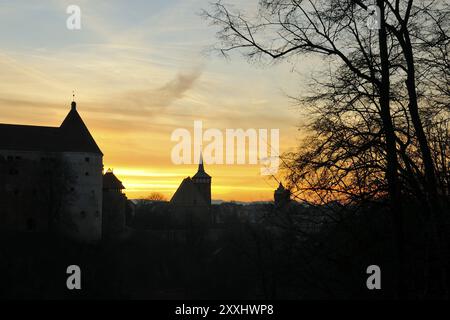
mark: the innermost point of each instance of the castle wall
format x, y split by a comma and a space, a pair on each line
204, 187
85, 209
22, 205
35, 186
114, 213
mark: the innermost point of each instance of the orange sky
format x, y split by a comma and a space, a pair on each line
139, 74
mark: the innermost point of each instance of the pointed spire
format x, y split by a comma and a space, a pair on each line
201, 170
200, 164
74, 104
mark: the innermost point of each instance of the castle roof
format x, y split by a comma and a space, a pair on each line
188, 194
28, 138
110, 181
72, 135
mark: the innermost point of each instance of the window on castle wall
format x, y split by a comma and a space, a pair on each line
83, 214
86, 174
87, 159
97, 214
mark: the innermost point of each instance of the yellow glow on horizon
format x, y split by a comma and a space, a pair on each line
128, 172
140, 183
143, 184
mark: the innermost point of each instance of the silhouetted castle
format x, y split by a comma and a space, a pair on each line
191, 203
52, 178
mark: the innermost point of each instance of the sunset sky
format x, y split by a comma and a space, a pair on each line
141, 69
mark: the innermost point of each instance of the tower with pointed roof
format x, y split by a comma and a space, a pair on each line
191, 203
42, 158
202, 181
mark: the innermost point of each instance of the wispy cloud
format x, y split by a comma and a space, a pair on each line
154, 100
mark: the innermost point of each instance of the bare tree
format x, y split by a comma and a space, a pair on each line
368, 138
156, 196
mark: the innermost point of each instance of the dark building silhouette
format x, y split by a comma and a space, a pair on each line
202, 181
191, 203
51, 177
114, 206
282, 196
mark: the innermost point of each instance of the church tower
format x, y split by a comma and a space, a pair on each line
202, 180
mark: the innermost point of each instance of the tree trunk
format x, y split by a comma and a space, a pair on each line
392, 161
430, 175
